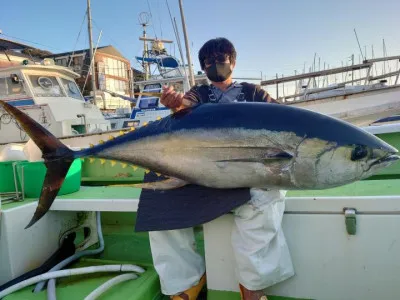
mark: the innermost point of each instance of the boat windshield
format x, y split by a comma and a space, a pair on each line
46, 86
72, 89
11, 89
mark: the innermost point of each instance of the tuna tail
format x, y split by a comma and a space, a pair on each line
57, 159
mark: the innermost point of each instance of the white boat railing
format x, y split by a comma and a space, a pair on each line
343, 87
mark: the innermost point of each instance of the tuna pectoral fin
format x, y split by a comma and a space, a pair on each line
185, 207
270, 155
167, 184
56, 172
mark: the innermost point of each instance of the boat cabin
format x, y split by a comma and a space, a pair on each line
49, 94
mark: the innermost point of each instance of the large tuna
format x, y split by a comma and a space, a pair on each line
228, 146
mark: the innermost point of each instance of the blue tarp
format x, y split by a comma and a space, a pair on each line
162, 61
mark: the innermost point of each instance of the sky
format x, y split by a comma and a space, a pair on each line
270, 36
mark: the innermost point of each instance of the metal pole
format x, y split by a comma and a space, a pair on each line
145, 64
358, 43
91, 53
92, 59
186, 85
352, 71
191, 75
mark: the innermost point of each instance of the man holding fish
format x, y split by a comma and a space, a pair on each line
261, 253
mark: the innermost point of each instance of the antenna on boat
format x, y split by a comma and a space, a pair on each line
144, 21
364, 58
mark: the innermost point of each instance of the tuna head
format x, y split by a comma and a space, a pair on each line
321, 164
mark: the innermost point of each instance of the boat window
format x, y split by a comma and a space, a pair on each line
72, 89
10, 88
45, 86
146, 103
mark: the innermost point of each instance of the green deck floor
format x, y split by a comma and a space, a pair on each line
145, 287
122, 245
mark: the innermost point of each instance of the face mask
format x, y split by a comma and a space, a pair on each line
219, 72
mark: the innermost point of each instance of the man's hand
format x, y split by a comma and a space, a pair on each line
171, 98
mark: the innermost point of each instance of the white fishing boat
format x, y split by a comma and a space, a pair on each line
49, 94
361, 100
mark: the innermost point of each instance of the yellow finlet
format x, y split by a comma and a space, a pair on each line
91, 159
110, 138
91, 145
123, 165
101, 142
158, 118
132, 129
134, 168
113, 163
145, 123
121, 133
147, 171
102, 161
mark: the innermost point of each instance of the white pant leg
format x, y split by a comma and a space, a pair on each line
259, 245
175, 259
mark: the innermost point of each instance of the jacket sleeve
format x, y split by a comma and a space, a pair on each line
193, 95
261, 95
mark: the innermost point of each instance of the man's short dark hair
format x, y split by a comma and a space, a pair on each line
214, 47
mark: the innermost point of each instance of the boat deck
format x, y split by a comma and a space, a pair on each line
123, 245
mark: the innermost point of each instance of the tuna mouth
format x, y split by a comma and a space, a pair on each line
390, 150
387, 159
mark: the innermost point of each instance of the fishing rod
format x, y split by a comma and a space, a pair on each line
150, 94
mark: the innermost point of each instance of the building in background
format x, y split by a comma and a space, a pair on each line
113, 73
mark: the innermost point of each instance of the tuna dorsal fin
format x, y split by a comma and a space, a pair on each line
185, 111
167, 184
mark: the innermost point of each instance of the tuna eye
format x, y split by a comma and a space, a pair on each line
359, 152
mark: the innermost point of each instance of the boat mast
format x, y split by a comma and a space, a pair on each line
191, 75
93, 80
144, 21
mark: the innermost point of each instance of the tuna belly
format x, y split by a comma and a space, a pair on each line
210, 163
240, 174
